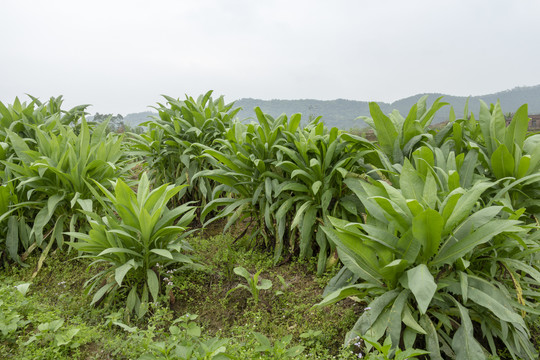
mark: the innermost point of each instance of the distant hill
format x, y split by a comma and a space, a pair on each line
342, 113
135, 119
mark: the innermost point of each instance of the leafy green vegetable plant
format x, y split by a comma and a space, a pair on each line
313, 189
287, 179
173, 145
138, 238
52, 177
415, 257
397, 136
253, 285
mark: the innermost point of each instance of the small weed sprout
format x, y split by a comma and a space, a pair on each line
253, 283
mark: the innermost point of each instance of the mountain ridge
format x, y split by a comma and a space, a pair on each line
344, 113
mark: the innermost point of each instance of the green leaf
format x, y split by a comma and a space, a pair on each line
464, 343
422, 285
241, 271
153, 283
265, 284
23, 288
358, 290
463, 205
502, 162
372, 313
427, 228
410, 182
497, 308
432, 339
12, 238
409, 320
395, 318
466, 171
316, 186
162, 252
121, 271
101, 292
449, 253
386, 131
132, 299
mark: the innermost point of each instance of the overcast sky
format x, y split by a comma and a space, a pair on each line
120, 56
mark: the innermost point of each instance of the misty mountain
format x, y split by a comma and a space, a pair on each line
343, 113
135, 119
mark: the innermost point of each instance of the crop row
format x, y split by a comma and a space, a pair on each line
437, 228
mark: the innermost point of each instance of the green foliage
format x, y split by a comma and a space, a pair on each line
384, 351
245, 168
12, 303
279, 350
50, 332
175, 140
133, 245
48, 176
253, 285
422, 254
437, 227
397, 136
289, 180
184, 342
313, 188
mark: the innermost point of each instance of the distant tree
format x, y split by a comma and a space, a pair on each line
116, 122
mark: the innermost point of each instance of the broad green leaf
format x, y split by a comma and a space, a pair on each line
386, 131
153, 283
493, 304
464, 344
427, 228
23, 288
432, 339
395, 318
306, 232
422, 285
409, 320
358, 290
372, 313
524, 165
464, 205
122, 270
241, 271
101, 292
162, 252
502, 162
131, 299
12, 238
410, 183
484, 233
466, 171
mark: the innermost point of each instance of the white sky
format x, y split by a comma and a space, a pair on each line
121, 55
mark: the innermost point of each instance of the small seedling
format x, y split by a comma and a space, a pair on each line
279, 349
310, 337
386, 352
253, 283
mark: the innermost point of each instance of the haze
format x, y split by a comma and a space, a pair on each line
121, 55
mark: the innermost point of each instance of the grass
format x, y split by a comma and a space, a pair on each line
57, 293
